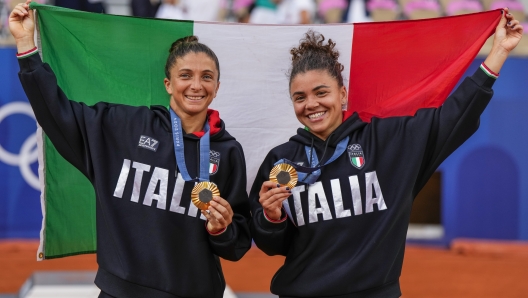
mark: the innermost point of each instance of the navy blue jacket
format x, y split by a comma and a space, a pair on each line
345, 234
151, 240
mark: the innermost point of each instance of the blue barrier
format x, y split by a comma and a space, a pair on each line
484, 191
483, 194
20, 215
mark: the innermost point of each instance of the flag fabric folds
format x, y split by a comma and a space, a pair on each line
391, 69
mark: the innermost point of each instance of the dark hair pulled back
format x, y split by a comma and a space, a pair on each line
185, 45
313, 54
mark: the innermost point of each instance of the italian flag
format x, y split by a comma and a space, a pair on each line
212, 168
391, 69
358, 161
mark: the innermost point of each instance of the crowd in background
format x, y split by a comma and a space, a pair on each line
292, 11
317, 11
282, 11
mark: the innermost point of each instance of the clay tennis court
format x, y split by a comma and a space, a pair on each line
468, 269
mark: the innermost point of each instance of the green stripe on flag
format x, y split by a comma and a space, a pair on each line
69, 224
355, 160
96, 57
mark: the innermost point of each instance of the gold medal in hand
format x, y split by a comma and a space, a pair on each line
284, 174
202, 194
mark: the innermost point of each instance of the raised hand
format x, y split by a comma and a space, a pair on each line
507, 35
508, 32
22, 26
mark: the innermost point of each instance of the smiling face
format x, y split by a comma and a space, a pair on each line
192, 85
317, 101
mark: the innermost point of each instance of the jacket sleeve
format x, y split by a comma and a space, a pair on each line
271, 238
443, 129
63, 121
235, 241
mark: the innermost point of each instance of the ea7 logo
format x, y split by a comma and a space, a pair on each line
148, 143
356, 156
214, 162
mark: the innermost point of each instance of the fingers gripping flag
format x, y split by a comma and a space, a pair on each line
391, 69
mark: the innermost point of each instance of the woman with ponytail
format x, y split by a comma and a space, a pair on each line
144, 162
342, 226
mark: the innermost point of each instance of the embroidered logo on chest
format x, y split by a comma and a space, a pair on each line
356, 156
214, 162
148, 143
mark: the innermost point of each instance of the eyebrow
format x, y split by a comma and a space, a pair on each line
320, 87
186, 69
314, 89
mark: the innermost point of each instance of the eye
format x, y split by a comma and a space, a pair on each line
321, 93
185, 75
207, 77
298, 98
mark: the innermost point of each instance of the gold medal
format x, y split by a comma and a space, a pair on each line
203, 193
284, 174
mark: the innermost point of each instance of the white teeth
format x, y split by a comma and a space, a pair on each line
316, 115
194, 97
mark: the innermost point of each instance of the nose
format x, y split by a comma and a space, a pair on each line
311, 102
196, 84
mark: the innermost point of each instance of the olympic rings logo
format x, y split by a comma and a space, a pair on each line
28, 153
355, 147
213, 153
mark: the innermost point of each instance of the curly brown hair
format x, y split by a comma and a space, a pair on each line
313, 54
183, 46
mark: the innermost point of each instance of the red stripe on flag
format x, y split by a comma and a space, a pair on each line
402, 66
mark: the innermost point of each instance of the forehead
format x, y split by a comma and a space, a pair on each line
308, 80
195, 62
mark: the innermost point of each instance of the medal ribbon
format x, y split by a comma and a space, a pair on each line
309, 175
177, 135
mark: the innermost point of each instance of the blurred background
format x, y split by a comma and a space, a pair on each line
468, 235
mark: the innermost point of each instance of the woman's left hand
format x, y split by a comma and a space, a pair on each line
508, 33
220, 215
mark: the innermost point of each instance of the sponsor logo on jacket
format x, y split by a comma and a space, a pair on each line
148, 143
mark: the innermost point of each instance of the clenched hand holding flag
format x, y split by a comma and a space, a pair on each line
393, 68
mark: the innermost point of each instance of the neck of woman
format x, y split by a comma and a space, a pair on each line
191, 123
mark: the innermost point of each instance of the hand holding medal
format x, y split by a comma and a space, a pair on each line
219, 215
283, 177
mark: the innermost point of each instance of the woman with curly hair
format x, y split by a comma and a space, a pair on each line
342, 227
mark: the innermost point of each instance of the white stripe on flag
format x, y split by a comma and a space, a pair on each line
253, 99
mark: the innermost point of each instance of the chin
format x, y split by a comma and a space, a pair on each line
195, 111
195, 107
316, 128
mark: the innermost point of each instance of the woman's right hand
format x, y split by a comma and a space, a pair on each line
271, 198
22, 26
